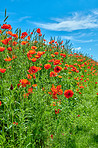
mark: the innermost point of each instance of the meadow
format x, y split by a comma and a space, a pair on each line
48, 92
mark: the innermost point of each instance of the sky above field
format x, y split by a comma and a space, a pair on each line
74, 20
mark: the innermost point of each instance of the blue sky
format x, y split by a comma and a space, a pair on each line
74, 20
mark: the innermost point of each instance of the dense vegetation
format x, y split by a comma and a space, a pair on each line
48, 94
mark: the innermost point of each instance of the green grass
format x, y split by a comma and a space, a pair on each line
28, 119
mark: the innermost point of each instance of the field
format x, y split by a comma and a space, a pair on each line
48, 93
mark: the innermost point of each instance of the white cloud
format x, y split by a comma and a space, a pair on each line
78, 48
22, 18
95, 12
75, 38
76, 22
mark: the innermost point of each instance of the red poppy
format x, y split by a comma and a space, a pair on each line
56, 62
33, 59
6, 41
11, 88
38, 30
8, 59
57, 69
47, 66
68, 93
53, 74
57, 111
2, 70
2, 49
6, 26
9, 48
24, 82
0, 103
33, 69
52, 136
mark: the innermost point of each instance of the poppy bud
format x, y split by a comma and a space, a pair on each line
11, 88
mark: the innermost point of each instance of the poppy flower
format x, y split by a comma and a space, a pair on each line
2, 49
78, 116
57, 111
47, 66
24, 82
0, 31
8, 59
11, 88
53, 74
34, 85
62, 54
9, 48
2, 70
51, 136
6, 26
0, 103
33, 59
5, 41
33, 47
57, 69
68, 93
33, 69
14, 43
38, 30
15, 35
56, 62
30, 90
56, 53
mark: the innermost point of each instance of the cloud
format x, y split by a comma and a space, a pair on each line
95, 12
22, 18
78, 48
75, 38
77, 21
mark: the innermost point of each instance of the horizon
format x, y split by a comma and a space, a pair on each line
78, 22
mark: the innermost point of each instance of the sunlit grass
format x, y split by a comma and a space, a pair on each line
48, 94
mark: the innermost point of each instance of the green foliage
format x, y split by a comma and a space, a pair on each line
36, 113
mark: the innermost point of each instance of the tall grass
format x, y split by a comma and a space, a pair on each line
48, 94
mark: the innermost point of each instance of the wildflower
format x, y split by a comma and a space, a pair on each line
68, 93
24, 34
56, 62
78, 116
14, 43
0, 103
56, 53
2, 49
33, 69
29, 76
33, 59
38, 30
64, 55
8, 59
56, 112
34, 85
51, 136
95, 82
15, 35
2, 70
9, 48
6, 26
24, 82
11, 88
57, 69
47, 66
33, 47
53, 74
30, 90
